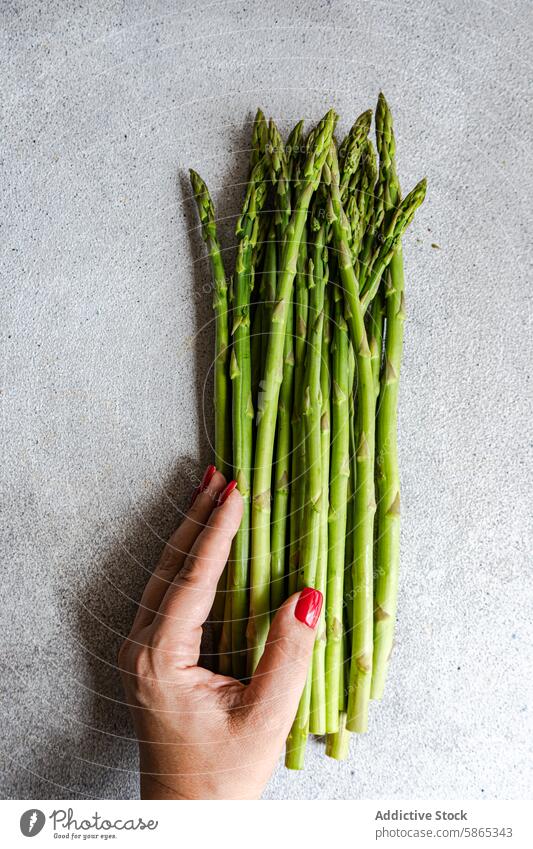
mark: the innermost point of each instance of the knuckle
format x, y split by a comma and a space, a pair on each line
167, 565
221, 534
187, 576
141, 665
141, 681
134, 659
123, 655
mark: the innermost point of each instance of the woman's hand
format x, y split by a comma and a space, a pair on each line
201, 735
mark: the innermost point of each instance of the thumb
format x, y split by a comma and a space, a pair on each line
279, 679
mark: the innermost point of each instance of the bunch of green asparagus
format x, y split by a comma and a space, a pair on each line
309, 334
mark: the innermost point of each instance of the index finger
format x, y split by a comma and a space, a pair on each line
189, 599
177, 548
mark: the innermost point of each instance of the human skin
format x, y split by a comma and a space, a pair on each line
202, 735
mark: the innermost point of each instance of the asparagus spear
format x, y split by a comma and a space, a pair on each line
222, 390
389, 241
267, 294
374, 326
312, 411
387, 188
279, 168
222, 393
301, 303
281, 200
347, 619
259, 139
340, 472
260, 261
282, 165
383, 231
360, 206
317, 716
256, 337
364, 503
258, 151
293, 149
388, 481
317, 147
386, 198
310, 535
242, 408
352, 155
282, 473
351, 150
338, 743
352, 483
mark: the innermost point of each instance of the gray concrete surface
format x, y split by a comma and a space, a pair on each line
107, 349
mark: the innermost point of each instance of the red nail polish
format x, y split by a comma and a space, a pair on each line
193, 496
207, 478
308, 606
225, 492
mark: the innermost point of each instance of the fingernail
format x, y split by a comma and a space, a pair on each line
308, 606
207, 478
226, 492
193, 497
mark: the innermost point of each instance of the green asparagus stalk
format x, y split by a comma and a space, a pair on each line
259, 139
282, 474
260, 261
284, 163
268, 294
256, 339
340, 472
387, 473
361, 217
301, 303
310, 535
293, 150
388, 482
347, 619
389, 242
258, 152
364, 503
284, 167
242, 410
317, 148
279, 168
317, 716
222, 392
375, 335
312, 411
351, 150
281, 201
387, 193
352, 482
222, 388
338, 743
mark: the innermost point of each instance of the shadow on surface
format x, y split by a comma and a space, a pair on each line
91, 752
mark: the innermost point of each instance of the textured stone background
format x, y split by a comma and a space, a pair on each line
107, 342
